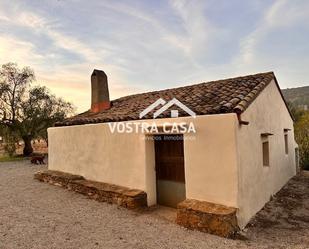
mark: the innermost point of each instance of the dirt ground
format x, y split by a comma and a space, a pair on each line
38, 215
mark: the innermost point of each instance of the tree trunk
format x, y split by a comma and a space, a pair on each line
28, 146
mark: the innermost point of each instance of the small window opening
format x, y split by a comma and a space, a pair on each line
297, 158
286, 143
265, 145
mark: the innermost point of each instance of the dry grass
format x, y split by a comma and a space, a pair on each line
38, 148
5, 158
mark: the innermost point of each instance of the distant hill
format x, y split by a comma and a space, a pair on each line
298, 96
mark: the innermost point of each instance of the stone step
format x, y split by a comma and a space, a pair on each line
122, 196
208, 217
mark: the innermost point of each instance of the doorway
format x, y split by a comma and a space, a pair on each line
170, 171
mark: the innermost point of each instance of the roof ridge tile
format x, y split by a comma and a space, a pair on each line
213, 97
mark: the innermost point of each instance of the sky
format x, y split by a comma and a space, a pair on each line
154, 44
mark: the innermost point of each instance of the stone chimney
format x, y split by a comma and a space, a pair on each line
99, 91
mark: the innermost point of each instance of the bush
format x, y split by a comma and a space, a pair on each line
10, 149
10, 140
302, 138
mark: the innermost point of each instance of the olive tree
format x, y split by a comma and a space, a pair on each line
28, 110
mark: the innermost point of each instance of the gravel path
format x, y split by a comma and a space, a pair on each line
38, 215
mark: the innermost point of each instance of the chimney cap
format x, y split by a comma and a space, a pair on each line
99, 91
97, 71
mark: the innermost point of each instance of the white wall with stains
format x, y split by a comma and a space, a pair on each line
223, 161
257, 183
128, 159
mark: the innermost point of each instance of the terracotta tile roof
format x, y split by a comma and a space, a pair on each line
221, 96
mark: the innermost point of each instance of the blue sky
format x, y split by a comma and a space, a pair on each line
150, 45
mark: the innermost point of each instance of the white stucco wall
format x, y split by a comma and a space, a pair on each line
128, 159
258, 183
211, 160
223, 161
95, 153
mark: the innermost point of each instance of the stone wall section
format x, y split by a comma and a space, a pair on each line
104, 192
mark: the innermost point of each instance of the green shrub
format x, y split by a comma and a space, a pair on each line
10, 140
302, 138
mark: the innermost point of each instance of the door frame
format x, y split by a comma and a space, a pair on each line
172, 181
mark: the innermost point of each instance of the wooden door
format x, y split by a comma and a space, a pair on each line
170, 173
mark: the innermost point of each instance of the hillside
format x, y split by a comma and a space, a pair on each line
298, 96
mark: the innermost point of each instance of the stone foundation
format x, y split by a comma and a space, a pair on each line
56, 177
200, 215
122, 196
207, 217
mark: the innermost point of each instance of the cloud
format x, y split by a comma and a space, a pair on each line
141, 53
285, 13
40, 24
71, 81
12, 49
165, 34
281, 14
198, 31
149, 45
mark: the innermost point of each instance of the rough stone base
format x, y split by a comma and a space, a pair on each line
122, 196
207, 217
56, 177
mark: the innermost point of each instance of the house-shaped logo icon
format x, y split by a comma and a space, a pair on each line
166, 106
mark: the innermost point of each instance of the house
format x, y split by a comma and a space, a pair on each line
239, 151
